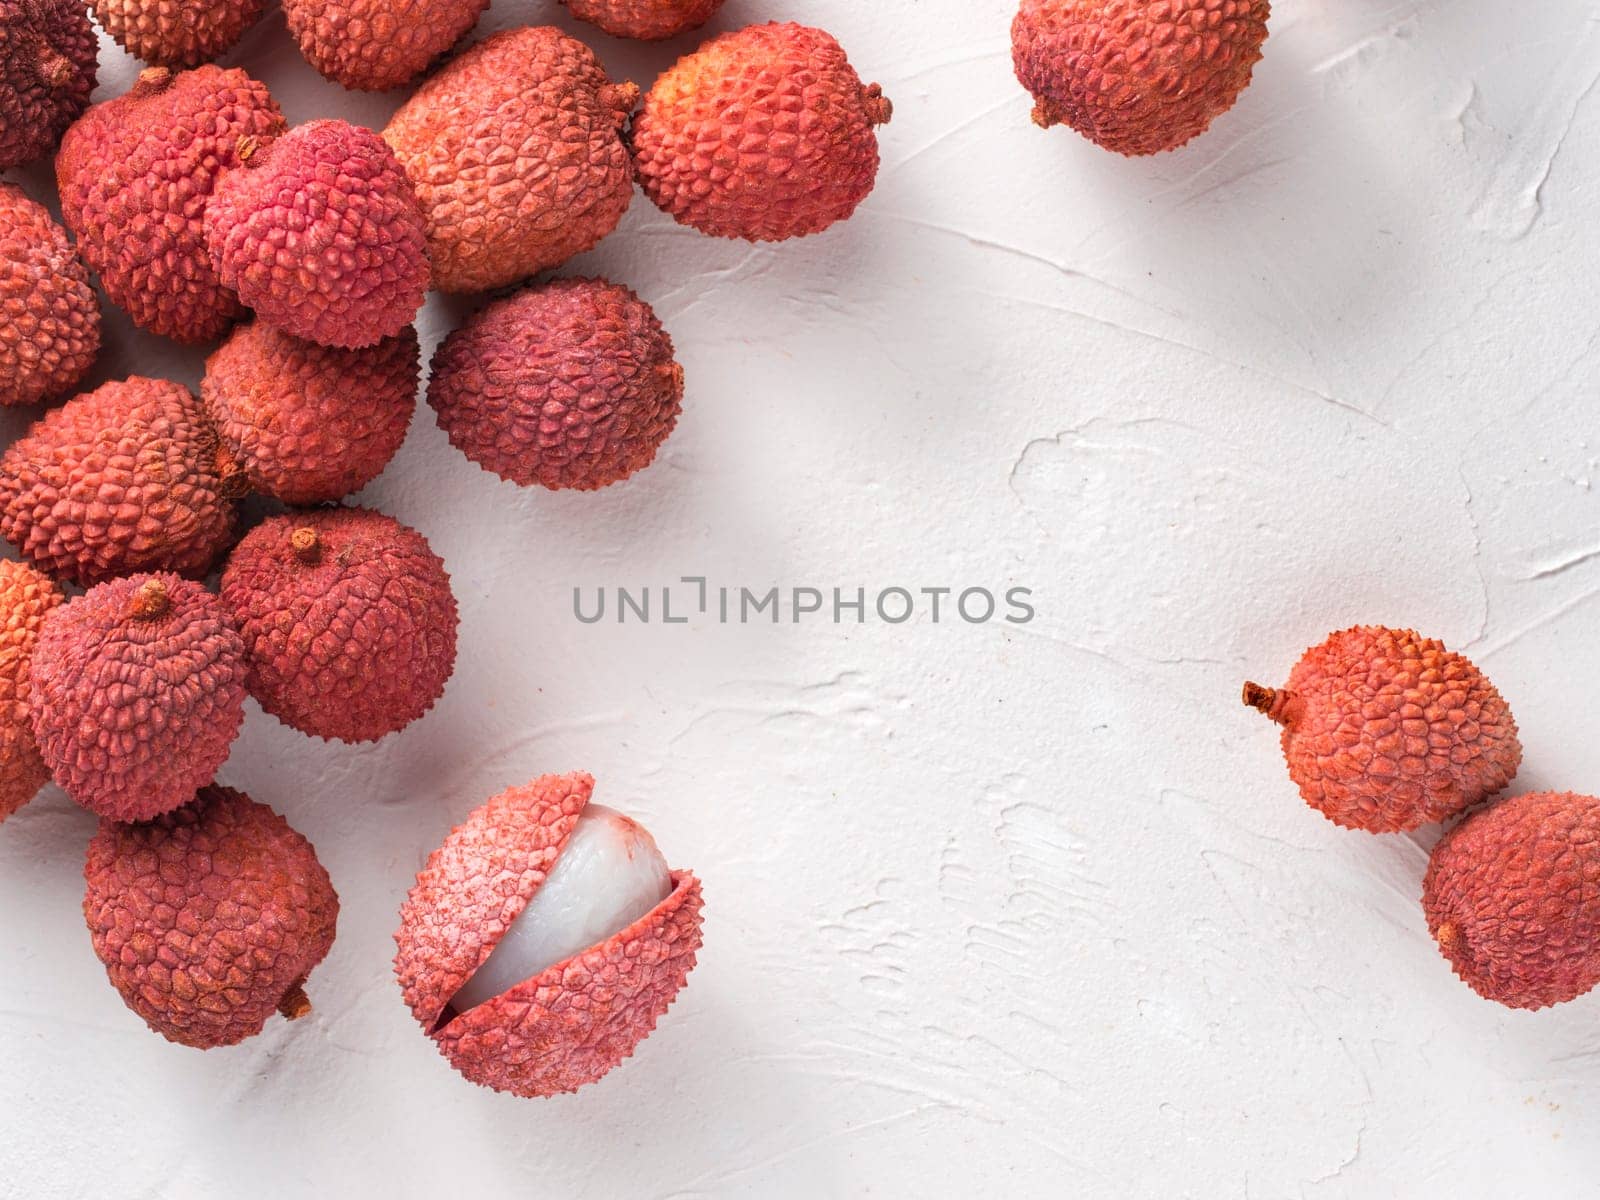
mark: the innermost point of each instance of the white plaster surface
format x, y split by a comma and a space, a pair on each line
991, 910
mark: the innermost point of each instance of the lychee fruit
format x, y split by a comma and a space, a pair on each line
26, 598
647, 20
135, 176
48, 53
129, 477
348, 621
1385, 730
49, 317
1512, 894
571, 384
209, 919
309, 423
544, 939
1132, 76
765, 134
375, 45
320, 233
168, 33
515, 148
138, 692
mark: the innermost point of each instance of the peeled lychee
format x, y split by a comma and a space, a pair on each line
537, 992
319, 231
648, 20
26, 598
137, 694
766, 133
209, 919
348, 620
515, 148
1385, 730
1133, 76
177, 33
136, 174
570, 385
129, 477
48, 51
308, 423
49, 317
1512, 894
376, 45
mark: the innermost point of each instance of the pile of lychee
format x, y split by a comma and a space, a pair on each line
1386, 731
546, 936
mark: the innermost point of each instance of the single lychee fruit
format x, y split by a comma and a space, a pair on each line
348, 621
544, 939
209, 919
48, 51
570, 385
766, 133
1512, 894
129, 477
170, 33
1132, 76
321, 234
136, 174
1385, 730
309, 423
49, 317
516, 151
376, 45
26, 598
138, 692
648, 20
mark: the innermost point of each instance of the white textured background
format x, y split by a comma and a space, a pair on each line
990, 910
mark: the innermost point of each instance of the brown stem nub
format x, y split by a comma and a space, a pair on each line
1046, 115
1446, 936
149, 601
1269, 702
294, 1004
306, 545
55, 68
621, 99
879, 107
150, 81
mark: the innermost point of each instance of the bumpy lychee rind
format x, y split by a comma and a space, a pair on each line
1132, 76
574, 1021
137, 694
568, 385
647, 20
135, 176
348, 620
765, 133
1385, 730
49, 317
177, 33
320, 233
209, 919
48, 52
1512, 894
26, 598
129, 477
516, 152
375, 45
309, 423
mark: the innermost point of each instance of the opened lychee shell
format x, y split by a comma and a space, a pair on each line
576, 1019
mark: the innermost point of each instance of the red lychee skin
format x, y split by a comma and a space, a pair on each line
647, 20
209, 919
348, 620
309, 423
375, 45
1385, 730
1512, 894
576, 1020
1136, 76
138, 692
48, 53
764, 134
516, 151
568, 385
177, 33
129, 477
26, 598
136, 174
320, 233
49, 317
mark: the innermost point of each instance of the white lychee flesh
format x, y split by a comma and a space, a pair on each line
608, 876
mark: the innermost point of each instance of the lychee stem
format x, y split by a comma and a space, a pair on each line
1269, 702
620, 98
294, 1003
55, 68
149, 601
880, 109
305, 543
150, 81
246, 147
1045, 115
